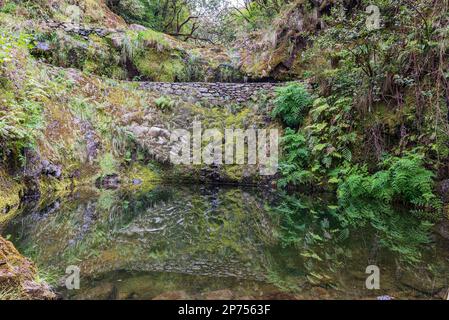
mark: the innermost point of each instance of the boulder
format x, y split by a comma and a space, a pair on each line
139, 131
159, 132
137, 27
131, 117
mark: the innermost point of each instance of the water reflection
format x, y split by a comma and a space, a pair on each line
201, 242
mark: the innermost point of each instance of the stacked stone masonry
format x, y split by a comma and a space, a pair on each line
215, 93
81, 30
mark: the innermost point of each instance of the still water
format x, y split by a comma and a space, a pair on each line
216, 242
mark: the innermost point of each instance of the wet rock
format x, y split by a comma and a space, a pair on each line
75, 174
50, 209
111, 181
33, 164
173, 295
91, 139
211, 173
216, 93
219, 295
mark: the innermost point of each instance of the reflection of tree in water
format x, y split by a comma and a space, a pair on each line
333, 241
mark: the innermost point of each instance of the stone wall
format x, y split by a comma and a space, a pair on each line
215, 93
81, 30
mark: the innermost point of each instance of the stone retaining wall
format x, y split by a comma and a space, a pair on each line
83, 31
216, 93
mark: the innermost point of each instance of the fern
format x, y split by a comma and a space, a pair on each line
292, 104
402, 180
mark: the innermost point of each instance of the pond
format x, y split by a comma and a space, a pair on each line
218, 242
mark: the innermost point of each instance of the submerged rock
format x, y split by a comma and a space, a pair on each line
172, 295
428, 285
43, 46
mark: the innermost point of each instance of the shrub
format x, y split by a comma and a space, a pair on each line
402, 180
296, 157
292, 104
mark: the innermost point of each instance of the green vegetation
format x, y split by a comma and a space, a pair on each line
165, 103
378, 129
20, 117
321, 232
364, 114
402, 180
320, 147
292, 104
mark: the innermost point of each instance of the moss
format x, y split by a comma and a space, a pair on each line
155, 38
108, 165
160, 66
148, 177
234, 172
9, 197
18, 276
103, 59
238, 120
